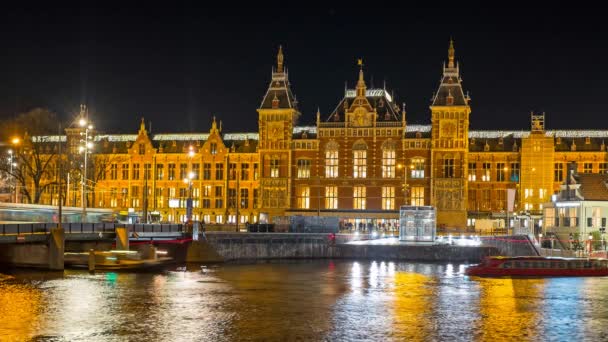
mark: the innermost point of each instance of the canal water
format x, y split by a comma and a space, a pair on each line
300, 301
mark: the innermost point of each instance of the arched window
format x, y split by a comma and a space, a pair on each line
331, 159
388, 159
360, 159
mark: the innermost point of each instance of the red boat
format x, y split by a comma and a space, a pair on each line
534, 266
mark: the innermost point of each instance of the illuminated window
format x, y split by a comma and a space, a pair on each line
219, 171
587, 167
331, 164
147, 170
256, 198
388, 162
213, 148
485, 172
256, 171
603, 168
207, 171
558, 172
244, 199
417, 195
359, 197
417, 168
448, 167
183, 170
388, 198
232, 171
501, 201
244, 171
472, 172
359, 164
142, 149
232, 197
501, 172
514, 172
114, 171
196, 170
171, 171
360, 159
160, 171
331, 197
274, 168
135, 171
485, 199
303, 168
304, 197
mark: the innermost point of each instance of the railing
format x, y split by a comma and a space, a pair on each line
88, 228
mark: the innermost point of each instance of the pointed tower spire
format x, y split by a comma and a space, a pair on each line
142, 126
318, 115
214, 126
280, 59
451, 54
361, 87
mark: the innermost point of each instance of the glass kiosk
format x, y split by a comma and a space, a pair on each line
417, 224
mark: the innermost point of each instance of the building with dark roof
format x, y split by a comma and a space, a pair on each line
359, 162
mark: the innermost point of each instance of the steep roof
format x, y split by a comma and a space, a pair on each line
379, 99
279, 94
450, 91
594, 187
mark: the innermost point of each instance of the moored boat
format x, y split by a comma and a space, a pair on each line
536, 266
117, 260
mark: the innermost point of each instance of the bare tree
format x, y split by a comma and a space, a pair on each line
102, 166
34, 150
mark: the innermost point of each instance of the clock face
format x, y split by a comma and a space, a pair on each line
274, 131
448, 129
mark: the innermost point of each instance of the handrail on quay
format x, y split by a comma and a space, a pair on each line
87, 228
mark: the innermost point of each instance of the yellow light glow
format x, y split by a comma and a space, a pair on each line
15, 141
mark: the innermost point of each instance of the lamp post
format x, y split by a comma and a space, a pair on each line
404, 186
84, 148
11, 161
188, 181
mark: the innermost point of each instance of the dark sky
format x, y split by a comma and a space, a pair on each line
179, 66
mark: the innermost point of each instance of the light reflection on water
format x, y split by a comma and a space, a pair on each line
303, 300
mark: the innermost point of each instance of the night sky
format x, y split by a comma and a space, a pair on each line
179, 66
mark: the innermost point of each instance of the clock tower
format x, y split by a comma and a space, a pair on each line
449, 147
277, 116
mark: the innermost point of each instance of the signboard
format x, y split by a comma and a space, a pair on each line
510, 199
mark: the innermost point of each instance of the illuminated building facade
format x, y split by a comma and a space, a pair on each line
360, 162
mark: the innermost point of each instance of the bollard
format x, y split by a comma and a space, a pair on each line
91, 260
122, 239
152, 252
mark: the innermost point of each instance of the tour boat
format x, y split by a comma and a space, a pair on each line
116, 260
536, 266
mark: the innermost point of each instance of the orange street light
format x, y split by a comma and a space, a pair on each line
15, 141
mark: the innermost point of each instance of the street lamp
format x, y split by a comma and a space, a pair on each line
404, 186
84, 148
